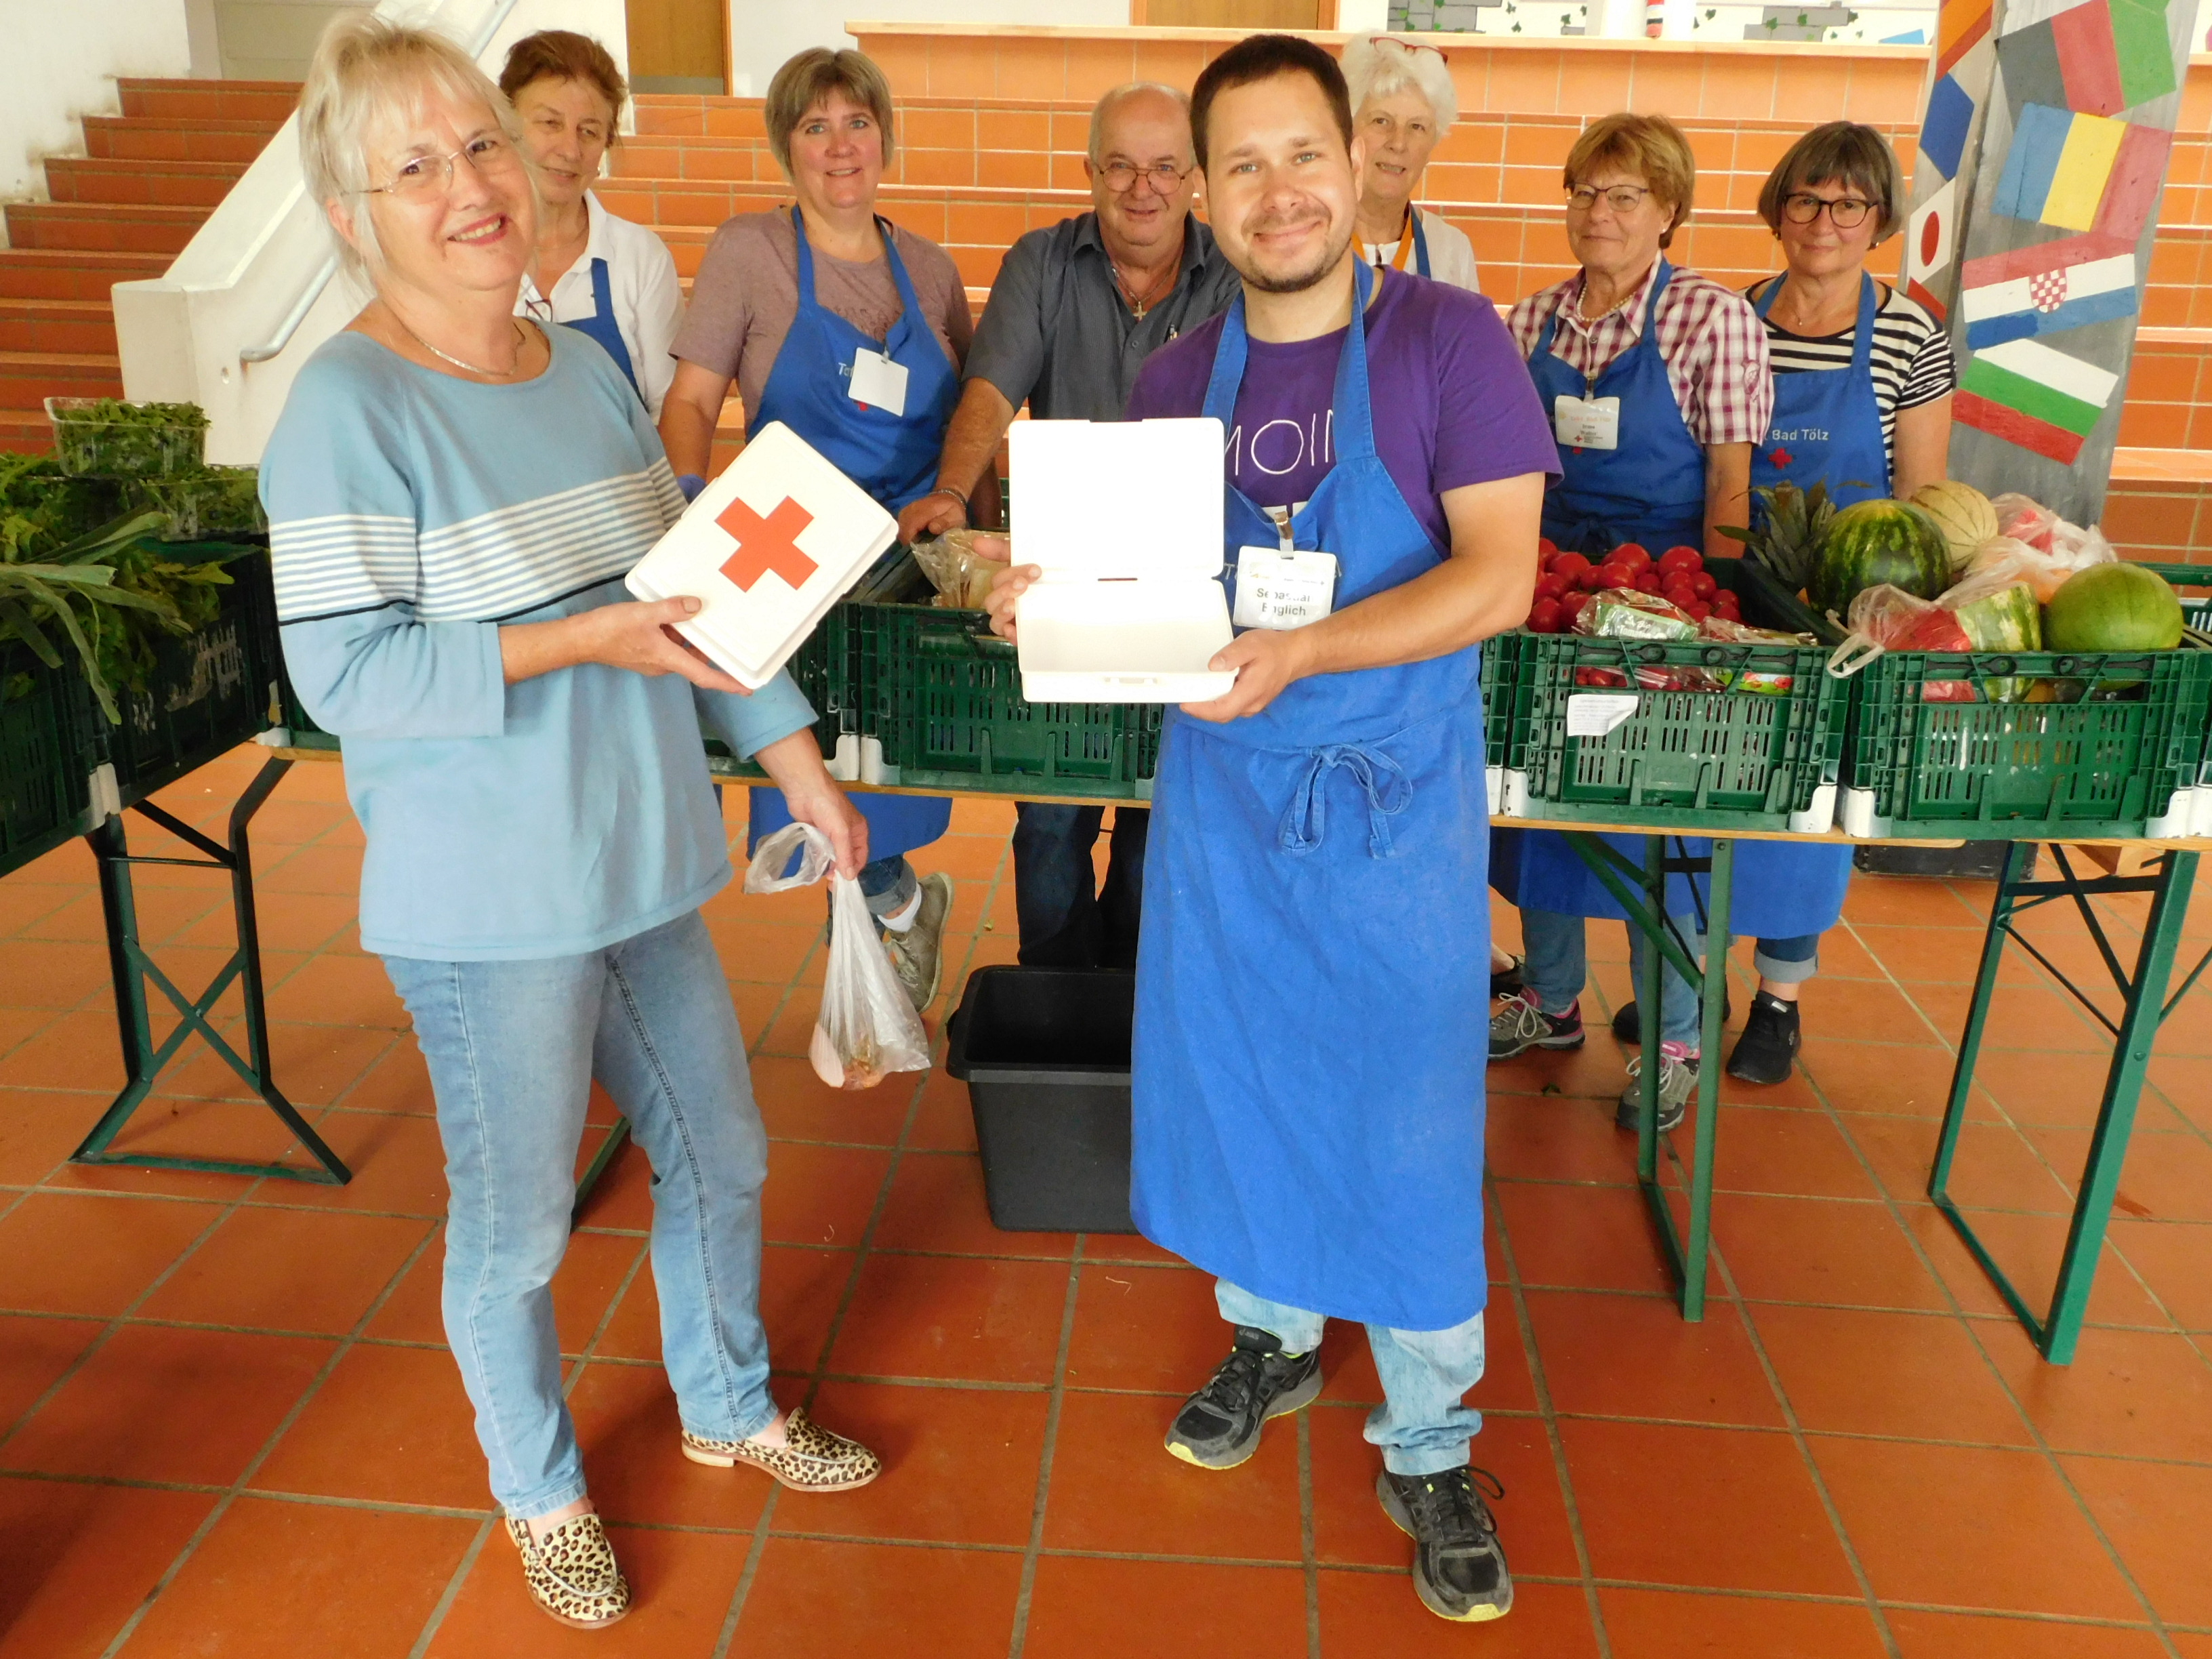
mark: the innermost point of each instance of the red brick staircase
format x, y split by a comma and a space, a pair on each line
123, 211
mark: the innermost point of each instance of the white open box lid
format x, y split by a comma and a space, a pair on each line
1124, 518
769, 547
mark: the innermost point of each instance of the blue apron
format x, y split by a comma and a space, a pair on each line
1827, 427
1309, 1117
1420, 241
892, 457
1651, 489
600, 325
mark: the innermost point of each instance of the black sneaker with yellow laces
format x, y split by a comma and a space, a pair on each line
1458, 1567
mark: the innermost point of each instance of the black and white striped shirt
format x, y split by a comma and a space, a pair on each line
1911, 355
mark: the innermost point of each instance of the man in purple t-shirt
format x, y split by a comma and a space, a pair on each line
1307, 1095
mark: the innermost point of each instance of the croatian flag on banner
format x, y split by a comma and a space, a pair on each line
767, 548
2068, 283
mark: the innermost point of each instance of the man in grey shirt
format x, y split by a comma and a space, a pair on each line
1075, 311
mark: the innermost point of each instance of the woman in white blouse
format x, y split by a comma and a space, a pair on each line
602, 275
1402, 102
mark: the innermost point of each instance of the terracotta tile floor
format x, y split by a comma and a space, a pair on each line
228, 1425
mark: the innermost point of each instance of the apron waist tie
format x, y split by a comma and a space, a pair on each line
1389, 793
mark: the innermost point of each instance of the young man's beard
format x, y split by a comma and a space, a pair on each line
1299, 281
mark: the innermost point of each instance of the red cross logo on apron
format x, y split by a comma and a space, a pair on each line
766, 544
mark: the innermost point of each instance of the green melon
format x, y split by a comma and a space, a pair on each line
2112, 607
1877, 542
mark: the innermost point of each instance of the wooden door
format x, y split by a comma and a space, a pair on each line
1234, 13
678, 46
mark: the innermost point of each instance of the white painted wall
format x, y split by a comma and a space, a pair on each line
60, 61
764, 33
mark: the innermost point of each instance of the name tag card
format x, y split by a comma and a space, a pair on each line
1587, 422
879, 383
1280, 590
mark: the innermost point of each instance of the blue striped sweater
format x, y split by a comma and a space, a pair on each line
410, 514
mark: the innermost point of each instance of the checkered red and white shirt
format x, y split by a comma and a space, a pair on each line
1709, 338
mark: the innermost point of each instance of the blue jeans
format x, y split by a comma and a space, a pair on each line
889, 885
1422, 1426
512, 1047
1557, 966
1064, 922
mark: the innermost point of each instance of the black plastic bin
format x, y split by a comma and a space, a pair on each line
1045, 1054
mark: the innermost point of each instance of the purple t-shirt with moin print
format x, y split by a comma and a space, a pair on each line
1452, 400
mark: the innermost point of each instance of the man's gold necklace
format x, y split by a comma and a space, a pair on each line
1140, 303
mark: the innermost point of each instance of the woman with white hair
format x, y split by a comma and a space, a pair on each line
454, 495
1402, 102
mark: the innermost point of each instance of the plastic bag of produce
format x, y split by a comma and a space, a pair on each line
1884, 617
1625, 613
962, 564
2022, 520
2004, 560
867, 1028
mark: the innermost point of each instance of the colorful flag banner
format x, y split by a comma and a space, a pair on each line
2049, 302
2027, 14
2083, 172
2131, 189
1929, 235
2029, 395
1960, 24
2113, 55
1943, 133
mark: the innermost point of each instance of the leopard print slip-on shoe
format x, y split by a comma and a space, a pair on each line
812, 1460
571, 1572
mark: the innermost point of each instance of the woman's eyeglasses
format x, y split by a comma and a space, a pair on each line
1120, 176
427, 175
1621, 198
1844, 212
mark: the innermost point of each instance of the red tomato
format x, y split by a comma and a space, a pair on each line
1606, 576
1678, 593
1551, 586
1546, 547
1681, 558
1629, 556
1570, 605
1546, 617
1699, 609
1570, 566
1647, 581
1703, 585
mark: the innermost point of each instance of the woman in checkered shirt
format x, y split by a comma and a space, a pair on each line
1658, 383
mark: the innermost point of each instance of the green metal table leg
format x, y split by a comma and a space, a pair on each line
131, 968
1709, 1081
1648, 992
2145, 1007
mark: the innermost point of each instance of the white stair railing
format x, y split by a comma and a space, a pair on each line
258, 288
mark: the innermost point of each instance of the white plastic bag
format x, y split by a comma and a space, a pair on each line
867, 1028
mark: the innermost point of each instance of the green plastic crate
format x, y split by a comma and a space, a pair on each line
209, 692
47, 753
824, 668
942, 698
1686, 760
1496, 683
2001, 770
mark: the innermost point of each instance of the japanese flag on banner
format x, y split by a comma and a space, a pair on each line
1930, 245
767, 548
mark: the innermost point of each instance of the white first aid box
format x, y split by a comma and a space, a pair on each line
767, 548
1124, 520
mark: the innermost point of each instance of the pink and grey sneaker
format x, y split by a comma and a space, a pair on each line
1520, 1025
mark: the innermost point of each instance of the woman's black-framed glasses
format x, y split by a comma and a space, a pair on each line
425, 175
1120, 176
1844, 212
1621, 198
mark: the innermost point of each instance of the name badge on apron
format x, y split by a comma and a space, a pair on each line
1281, 590
1587, 422
878, 382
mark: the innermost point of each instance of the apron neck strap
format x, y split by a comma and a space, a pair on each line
1354, 422
1862, 334
911, 305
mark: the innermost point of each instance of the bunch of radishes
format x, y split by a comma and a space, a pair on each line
1565, 581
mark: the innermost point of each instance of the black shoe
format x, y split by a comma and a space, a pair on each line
1628, 1024
1219, 1427
1506, 981
1520, 1025
1458, 1567
1768, 1047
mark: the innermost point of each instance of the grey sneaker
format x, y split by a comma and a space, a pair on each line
1520, 1025
1219, 1427
1678, 1081
918, 954
1459, 1568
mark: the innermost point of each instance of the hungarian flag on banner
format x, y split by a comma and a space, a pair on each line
2027, 394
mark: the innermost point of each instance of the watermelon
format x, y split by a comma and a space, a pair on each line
2112, 607
2007, 620
1877, 542
1962, 512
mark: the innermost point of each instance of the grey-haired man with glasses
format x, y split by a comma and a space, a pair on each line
1073, 314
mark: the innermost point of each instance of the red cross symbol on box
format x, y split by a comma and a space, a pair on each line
766, 544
